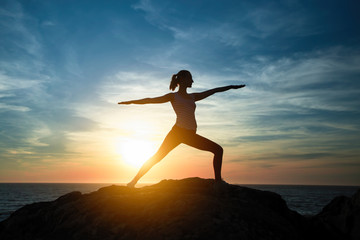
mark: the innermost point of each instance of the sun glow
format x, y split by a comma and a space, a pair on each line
136, 152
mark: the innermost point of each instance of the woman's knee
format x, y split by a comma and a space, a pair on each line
218, 150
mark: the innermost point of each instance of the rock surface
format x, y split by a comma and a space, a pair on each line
341, 217
172, 209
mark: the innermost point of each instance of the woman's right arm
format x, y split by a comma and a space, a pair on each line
163, 99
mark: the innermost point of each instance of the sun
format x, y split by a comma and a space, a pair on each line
135, 152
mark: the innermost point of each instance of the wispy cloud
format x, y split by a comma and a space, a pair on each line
34, 121
13, 107
303, 103
63, 68
14, 21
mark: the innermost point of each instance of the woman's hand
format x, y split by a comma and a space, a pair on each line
125, 102
237, 86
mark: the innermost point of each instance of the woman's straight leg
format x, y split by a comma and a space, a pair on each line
170, 142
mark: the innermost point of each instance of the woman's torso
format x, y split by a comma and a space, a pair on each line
184, 108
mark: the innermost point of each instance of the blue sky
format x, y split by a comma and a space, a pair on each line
65, 64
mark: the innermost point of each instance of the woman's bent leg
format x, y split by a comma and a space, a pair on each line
169, 143
205, 144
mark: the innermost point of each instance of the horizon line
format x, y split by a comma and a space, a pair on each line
143, 184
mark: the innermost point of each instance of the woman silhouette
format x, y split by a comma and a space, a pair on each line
184, 130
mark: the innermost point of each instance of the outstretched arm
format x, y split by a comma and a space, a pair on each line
202, 95
162, 99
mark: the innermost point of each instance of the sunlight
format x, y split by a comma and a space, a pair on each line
135, 152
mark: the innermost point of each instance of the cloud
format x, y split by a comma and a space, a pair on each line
10, 83
127, 84
48, 23
61, 77
14, 23
302, 103
242, 27
320, 81
281, 19
298, 101
4, 106
35, 116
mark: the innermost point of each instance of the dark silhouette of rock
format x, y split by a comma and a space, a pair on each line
341, 217
172, 209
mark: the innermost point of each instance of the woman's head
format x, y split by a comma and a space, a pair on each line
182, 78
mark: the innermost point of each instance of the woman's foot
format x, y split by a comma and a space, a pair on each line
220, 186
131, 184
220, 182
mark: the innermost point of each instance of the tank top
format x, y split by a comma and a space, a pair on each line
185, 111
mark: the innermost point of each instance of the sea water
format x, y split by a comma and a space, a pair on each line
306, 200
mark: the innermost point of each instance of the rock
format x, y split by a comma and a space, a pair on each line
172, 209
341, 217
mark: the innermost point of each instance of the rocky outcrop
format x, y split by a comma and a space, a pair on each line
341, 217
172, 209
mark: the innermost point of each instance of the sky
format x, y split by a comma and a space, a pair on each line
64, 65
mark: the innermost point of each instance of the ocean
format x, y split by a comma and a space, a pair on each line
306, 200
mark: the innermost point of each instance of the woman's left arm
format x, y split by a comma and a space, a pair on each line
205, 94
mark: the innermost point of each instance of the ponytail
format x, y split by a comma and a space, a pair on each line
174, 82
177, 78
